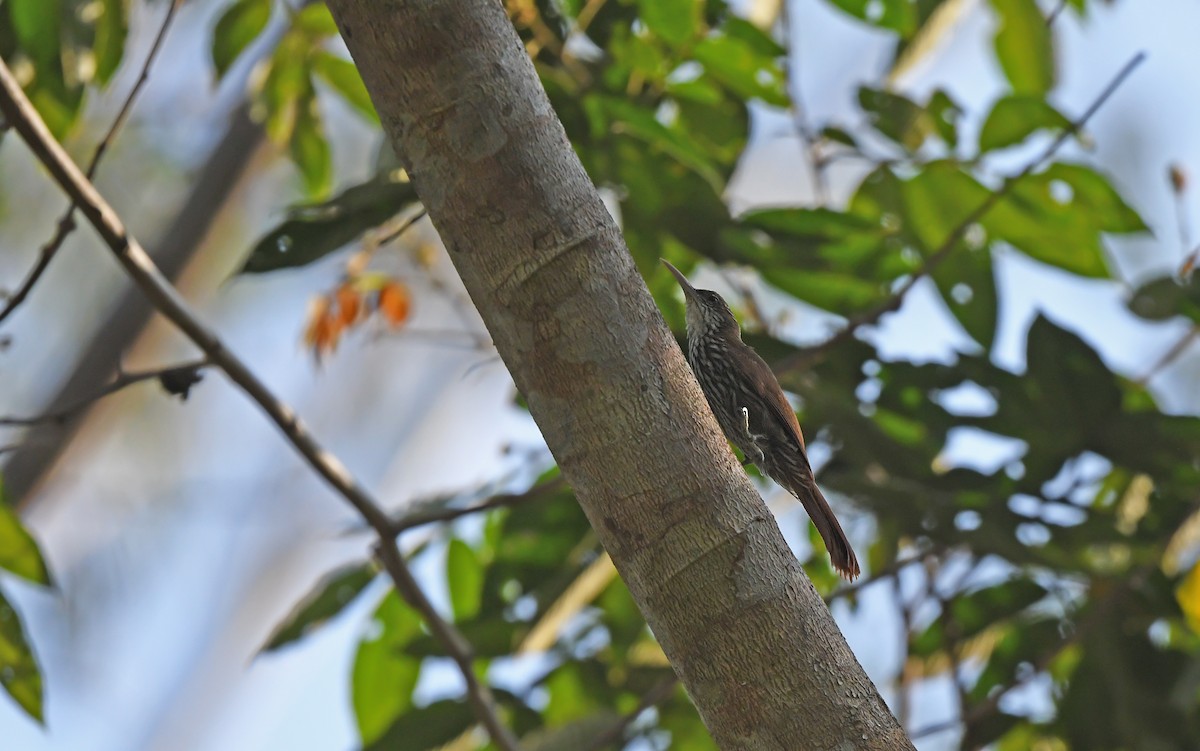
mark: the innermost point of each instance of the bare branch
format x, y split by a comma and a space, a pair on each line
421, 517
24, 118
66, 223
1171, 355
176, 379
811, 355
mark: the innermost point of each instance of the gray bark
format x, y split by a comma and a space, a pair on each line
544, 262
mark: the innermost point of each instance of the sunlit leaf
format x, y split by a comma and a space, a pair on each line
342, 76
326, 599
1024, 46
743, 69
315, 19
19, 673
464, 576
239, 25
384, 674
1015, 118
309, 147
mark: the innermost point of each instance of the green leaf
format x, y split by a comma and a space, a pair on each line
1165, 297
342, 76
314, 231
464, 576
425, 728
897, 15
1015, 118
19, 673
629, 119
967, 283
310, 148
384, 674
829, 290
945, 113
743, 69
109, 45
330, 595
316, 20
19, 552
1092, 193
897, 117
37, 25
674, 21
1024, 46
239, 25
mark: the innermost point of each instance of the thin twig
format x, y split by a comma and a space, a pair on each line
123, 380
805, 358
455, 643
1053, 15
657, 694
66, 223
504, 500
25, 119
1171, 355
389, 237
883, 574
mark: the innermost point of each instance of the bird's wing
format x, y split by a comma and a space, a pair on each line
763, 382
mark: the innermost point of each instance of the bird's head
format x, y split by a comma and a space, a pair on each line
707, 312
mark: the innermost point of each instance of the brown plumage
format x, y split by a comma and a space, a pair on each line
751, 409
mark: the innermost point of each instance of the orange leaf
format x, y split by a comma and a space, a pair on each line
349, 304
394, 303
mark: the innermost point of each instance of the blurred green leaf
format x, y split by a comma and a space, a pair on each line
38, 28
629, 119
342, 76
742, 68
464, 576
385, 675
425, 728
309, 147
316, 20
19, 552
325, 601
945, 114
314, 231
897, 117
19, 673
109, 44
1015, 118
897, 15
1024, 46
239, 25
1165, 297
674, 21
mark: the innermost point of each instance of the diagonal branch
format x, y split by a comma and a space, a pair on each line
808, 357
66, 223
23, 117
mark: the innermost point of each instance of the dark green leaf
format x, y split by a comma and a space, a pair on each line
1015, 118
967, 282
573, 735
1166, 297
897, 117
464, 576
330, 595
425, 728
945, 114
898, 15
109, 45
19, 673
384, 674
1024, 46
314, 231
342, 76
675, 21
239, 25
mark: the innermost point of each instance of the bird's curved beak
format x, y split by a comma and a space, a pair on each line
688, 290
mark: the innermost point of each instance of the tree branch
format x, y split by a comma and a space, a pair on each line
657, 694
66, 223
808, 357
24, 118
176, 379
421, 517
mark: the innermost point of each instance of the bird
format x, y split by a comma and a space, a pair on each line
749, 405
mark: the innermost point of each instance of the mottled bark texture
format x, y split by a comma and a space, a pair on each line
753, 643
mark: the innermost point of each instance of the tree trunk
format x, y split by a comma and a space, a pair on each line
545, 264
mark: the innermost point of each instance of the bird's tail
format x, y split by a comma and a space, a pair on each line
841, 555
